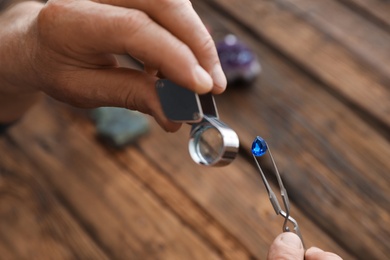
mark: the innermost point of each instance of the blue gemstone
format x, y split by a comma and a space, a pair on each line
259, 147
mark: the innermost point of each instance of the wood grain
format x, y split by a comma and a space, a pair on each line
375, 10
314, 51
190, 212
227, 207
33, 223
367, 42
126, 219
234, 195
334, 162
322, 104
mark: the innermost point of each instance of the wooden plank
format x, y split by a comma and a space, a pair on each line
188, 211
304, 118
320, 143
315, 52
32, 221
376, 10
257, 233
239, 219
338, 183
126, 219
234, 195
278, 77
254, 237
176, 199
365, 40
6, 253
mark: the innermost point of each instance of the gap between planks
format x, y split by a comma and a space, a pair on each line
343, 152
377, 11
33, 221
188, 213
321, 58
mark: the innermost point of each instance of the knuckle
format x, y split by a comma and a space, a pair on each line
51, 11
53, 18
207, 45
132, 100
137, 20
180, 50
46, 15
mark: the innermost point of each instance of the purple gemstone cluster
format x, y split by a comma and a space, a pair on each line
238, 62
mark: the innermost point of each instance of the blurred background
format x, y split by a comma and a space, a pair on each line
311, 77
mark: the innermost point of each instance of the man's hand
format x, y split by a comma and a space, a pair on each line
69, 45
288, 246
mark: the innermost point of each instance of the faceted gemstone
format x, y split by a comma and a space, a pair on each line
259, 147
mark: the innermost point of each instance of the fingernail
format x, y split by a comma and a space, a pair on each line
314, 250
219, 77
291, 240
203, 80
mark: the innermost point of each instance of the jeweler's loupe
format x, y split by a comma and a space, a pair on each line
212, 142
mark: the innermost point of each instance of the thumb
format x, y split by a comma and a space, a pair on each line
118, 87
315, 253
286, 246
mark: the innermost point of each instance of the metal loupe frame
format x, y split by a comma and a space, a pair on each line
230, 142
184, 106
210, 119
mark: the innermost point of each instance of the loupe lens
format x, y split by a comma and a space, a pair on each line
209, 145
212, 143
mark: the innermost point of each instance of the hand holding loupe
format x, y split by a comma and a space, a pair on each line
212, 142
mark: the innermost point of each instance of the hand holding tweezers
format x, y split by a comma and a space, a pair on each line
260, 148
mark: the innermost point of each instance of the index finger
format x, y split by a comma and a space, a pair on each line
179, 18
87, 31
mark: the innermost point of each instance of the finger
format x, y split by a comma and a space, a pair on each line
315, 253
286, 246
192, 32
179, 17
96, 28
119, 87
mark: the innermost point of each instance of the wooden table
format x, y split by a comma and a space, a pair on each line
322, 103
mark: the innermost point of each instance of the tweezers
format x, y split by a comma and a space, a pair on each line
260, 148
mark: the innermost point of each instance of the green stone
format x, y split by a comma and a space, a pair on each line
119, 126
